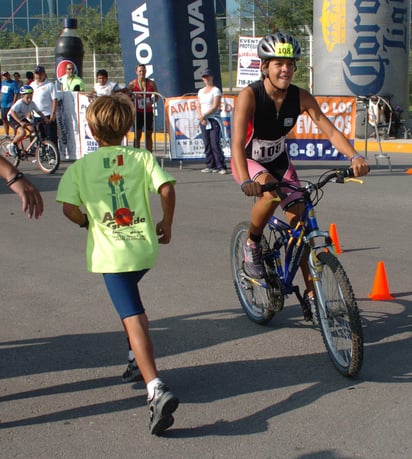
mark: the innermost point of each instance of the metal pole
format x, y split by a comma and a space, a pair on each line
309, 32
230, 62
37, 51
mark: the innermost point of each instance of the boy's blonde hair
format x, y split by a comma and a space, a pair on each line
110, 118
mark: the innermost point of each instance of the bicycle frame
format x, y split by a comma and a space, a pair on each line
333, 306
294, 240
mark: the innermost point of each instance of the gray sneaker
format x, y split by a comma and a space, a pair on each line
12, 150
132, 372
162, 405
253, 260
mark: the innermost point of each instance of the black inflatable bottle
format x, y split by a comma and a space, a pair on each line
69, 49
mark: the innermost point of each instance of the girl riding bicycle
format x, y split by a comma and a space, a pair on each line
266, 111
19, 117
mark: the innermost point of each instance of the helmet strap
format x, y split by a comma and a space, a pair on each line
276, 87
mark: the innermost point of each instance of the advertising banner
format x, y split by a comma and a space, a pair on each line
184, 131
175, 39
68, 124
75, 138
306, 141
361, 48
87, 142
248, 62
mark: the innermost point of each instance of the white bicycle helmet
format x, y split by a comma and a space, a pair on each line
279, 46
26, 89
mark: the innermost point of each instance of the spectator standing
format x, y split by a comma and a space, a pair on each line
71, 81
29, 77
208, 114
17, 79
103, 86
144, 106
45, 97
9, 95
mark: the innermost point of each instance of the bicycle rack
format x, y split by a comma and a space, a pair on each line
381, 154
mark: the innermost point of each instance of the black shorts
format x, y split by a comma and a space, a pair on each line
140, 120
14, 124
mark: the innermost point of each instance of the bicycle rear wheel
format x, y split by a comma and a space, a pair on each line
339, 317
4, 151
47, 157
254, 299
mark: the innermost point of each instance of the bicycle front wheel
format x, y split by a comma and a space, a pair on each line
47, 157
254, 299
339, 317
4, 152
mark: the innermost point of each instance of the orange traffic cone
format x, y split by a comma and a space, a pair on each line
409, 171
380, 290
334, 236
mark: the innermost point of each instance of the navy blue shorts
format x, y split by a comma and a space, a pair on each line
124, 291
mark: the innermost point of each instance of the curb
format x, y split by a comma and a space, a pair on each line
388, 146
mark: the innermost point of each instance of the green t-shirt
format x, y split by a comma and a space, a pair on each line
113, 185
69, 84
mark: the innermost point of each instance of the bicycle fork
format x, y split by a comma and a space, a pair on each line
316, 267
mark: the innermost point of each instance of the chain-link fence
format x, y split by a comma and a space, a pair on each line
23, 60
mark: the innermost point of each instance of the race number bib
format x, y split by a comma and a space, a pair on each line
284, 50
265, 151
141, 102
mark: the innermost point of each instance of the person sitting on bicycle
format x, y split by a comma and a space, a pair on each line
19, 117
265, 112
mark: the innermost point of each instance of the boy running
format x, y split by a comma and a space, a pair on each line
113, 186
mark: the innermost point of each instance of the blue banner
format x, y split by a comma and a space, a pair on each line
175, 39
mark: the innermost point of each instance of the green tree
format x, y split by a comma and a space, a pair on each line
100, 34
278, 15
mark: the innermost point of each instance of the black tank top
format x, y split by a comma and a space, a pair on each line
268, 124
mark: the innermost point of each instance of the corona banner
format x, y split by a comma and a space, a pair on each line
361, 48
175, 39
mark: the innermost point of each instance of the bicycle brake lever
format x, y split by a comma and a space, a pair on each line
353, 179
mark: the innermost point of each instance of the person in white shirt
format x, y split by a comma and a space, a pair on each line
45, 97
104, 87
208, 114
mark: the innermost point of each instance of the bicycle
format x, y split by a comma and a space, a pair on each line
336, 310
44, 151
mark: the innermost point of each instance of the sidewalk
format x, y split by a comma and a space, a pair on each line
388, 146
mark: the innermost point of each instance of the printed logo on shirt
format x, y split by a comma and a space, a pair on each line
288, 122
121, 216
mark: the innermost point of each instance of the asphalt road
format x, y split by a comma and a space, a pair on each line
246, 390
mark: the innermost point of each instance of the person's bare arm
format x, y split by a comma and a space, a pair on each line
30, 197
338, 140
168, 202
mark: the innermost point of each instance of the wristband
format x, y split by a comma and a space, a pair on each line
245, 182
85, 224
18, 176
356, 156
